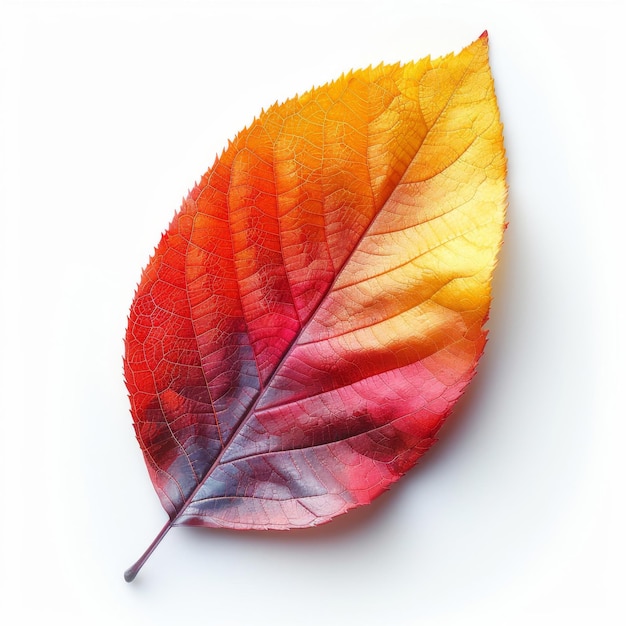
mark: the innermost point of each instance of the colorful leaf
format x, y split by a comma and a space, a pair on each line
316, 307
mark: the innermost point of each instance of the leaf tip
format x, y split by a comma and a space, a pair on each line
485, 35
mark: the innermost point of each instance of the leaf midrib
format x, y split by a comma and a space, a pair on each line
253, 405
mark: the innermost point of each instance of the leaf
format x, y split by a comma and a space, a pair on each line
316, 307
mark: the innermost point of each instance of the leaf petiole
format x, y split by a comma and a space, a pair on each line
133, 570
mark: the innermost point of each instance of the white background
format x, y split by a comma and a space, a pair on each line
109, 112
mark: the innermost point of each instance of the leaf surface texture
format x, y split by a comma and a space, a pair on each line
316, 307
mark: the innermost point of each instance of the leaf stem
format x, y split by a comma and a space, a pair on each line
133, 570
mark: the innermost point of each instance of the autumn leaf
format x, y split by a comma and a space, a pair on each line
316, 307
